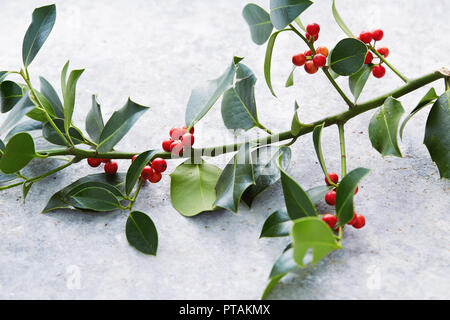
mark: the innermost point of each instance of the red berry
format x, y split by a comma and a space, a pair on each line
111, 167
190, 131
94, 162
308, 53
360, 221
383, 51
176, 148
187, 139
155, 177
322, 50
378, 71
159, 165
369, 58
310, 67
299, 59
319, 60
330, 219
307, 35
176, 133
366, 36
105, 160
351, 222
333, 177
313, 29
330, 197
356, 190
377, 34
134, 157
166, 145
147, 172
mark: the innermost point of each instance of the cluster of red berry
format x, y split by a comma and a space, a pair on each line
153, 172
358, 220
312, 61
179, 140
110, 166
367, 37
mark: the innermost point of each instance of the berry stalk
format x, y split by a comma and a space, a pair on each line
401, 76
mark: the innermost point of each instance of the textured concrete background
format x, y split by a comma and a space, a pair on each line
156, 52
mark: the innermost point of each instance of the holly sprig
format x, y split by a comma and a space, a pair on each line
197, 186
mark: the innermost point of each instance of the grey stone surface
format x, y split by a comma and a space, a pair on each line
156, 52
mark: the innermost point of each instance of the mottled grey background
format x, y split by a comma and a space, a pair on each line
156, 52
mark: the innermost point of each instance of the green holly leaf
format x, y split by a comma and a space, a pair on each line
427, 99
192, 187
141, 233
282, 266
204, 97
119, 124
437, 134
18, 153
236, 177
358, 80
278, 224
312, 233
69, 93
112, 183
43, 19
94, 120
259, 22
340, 22
283, 12
52, 97
265, 170
298, 203
135, 169
290, 79
238, 103
10, 94
345, 192
317, 136
383, 128
348, 56
52, 136
95, 199
268, 60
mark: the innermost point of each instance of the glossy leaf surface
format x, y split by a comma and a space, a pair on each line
119, 124
192, 187
259, 22
236, 177
238, 103
10, 94
43, 19
204, 97
94, 120
348, 56
19, 151
429, 97
383, 128
312, 233
345, 193
283, 12
265, 169
141, 233
437, 134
